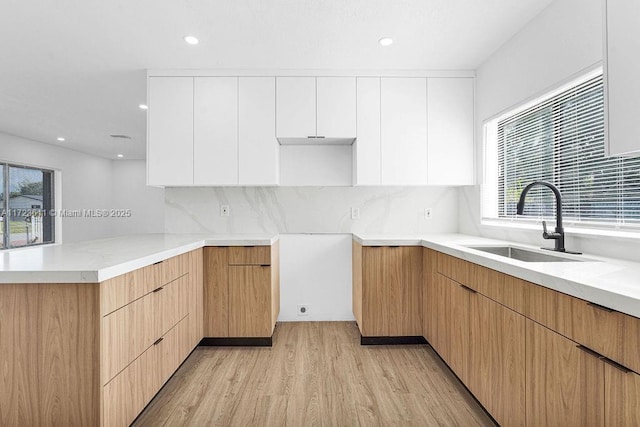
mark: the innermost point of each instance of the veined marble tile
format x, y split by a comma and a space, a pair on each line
311, 209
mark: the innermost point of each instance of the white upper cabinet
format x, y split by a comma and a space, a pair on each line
218, 130
170, 131
450, 103
313, 110
295, 107
404, 131
336, 107
622, 68
215, 126
258, 148
366, 149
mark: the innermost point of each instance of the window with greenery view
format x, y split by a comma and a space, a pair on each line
26, 206
560, 139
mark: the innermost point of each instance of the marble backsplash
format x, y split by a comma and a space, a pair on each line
383, 210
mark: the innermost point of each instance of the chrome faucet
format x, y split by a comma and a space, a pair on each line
558, 234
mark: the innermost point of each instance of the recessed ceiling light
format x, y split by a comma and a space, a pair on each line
191, 39
385, 41
120, 156
61, 139
143, 106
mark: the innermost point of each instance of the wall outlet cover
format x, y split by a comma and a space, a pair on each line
224, 210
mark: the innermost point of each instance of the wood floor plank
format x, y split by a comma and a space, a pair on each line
316, 374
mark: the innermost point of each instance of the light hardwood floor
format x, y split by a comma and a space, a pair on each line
316, 373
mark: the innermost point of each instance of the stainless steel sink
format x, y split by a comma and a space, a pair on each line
523, 254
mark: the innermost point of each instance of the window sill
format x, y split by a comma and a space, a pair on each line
605, 233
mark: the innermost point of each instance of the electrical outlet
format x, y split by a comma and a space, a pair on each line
355, 213
224, 210
303, 310
428, 213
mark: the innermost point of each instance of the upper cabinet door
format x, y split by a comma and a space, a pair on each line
295, 107
170, 131
622, 68
366, 149
450, 131
336, 107
258, 147
404, 131
215, 124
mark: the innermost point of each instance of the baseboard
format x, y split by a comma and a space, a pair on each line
237, 342
392, 340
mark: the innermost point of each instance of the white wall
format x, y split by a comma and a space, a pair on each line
90, 182
85, 182
316, 272
130, 191
561, 42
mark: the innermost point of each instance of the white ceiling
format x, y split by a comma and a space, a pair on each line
76, 68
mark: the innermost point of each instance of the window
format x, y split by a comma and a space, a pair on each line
560, 139
26, 198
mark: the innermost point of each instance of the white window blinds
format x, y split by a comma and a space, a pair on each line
560, 139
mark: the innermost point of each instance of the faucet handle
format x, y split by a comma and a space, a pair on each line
546, 234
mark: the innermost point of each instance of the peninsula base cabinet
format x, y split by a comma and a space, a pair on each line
96, 353
387, 290
241, 291
525, 351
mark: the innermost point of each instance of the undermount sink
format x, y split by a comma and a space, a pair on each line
523, 254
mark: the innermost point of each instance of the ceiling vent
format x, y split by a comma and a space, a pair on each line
116, 136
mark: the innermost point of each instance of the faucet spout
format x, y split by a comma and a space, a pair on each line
558, 235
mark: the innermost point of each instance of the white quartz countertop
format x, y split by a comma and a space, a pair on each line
608, 282
98, 260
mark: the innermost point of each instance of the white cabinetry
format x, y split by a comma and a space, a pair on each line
170, 131
404, 131
218, 130
215, 126
258, 148
295, 107
310, 109
336, 107
450, 157
622, 68
212, 131
366, 148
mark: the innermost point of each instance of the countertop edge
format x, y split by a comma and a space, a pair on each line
90, 276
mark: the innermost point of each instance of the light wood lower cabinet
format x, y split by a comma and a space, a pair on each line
241, 291
387, 292
621, 397
96, 353
496, 359
532, 356
565, 385
249, 295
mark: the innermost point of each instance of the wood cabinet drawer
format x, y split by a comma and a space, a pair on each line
171, 304
121, 290
173, 268
126, 333
507, 290
249, 255
598, 328
126, 395
455, 269
549, 308
631, 344
129, 331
